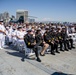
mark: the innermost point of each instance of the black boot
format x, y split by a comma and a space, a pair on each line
53, 53
70, 48
73, 47
38, 59
57, 52
61, 50
66, 50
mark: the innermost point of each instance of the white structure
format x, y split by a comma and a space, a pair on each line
23, 13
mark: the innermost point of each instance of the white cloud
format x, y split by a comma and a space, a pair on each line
43, 19
46, 19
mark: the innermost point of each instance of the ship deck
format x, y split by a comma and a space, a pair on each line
63, 63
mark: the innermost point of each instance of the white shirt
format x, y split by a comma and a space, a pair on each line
2, 28
14, 32
73, 29
42, 32
20, 34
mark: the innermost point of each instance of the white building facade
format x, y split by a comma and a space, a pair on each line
23, 13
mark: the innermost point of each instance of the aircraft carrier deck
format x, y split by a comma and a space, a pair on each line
60, 64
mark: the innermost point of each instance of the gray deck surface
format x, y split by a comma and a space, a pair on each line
11, 64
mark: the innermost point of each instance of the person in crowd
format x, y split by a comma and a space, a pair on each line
42, 30
40, 42
60, 38
10, 33
7, 35
2, 35
65, 39
71, 42
20, 39
31, 43
54, 41
13, 36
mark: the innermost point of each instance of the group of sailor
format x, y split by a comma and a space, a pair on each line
34, 35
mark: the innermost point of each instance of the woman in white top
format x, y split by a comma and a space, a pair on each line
14, 38
20, 39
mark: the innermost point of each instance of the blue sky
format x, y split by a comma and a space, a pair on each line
54, 10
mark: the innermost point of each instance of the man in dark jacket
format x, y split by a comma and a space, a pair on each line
60, 39
50, 40
31, 43
65, 39
40, 42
